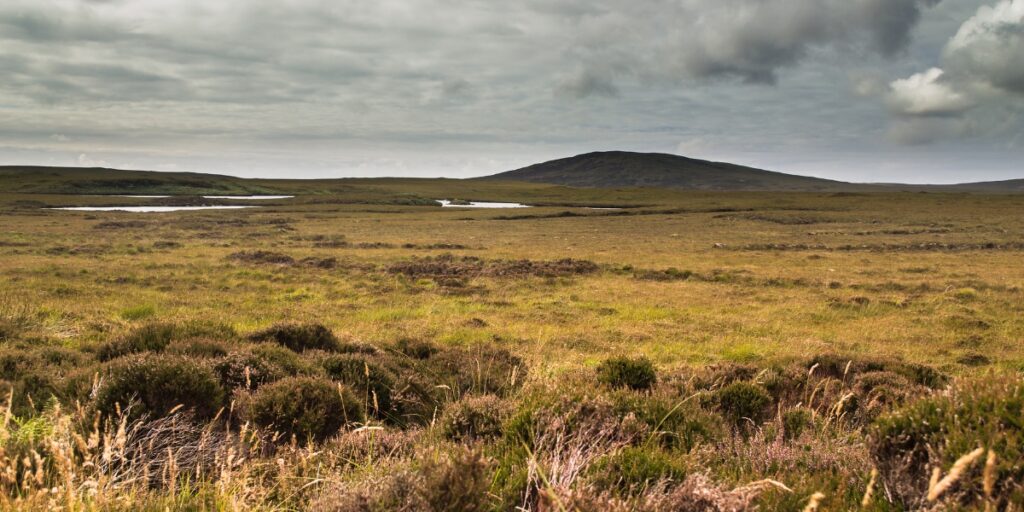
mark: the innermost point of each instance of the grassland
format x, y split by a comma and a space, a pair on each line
798, 343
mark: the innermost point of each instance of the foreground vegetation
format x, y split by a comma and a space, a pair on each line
692, 351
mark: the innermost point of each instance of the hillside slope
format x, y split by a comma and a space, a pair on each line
617, 169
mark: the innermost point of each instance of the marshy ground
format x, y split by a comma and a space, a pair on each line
691, 351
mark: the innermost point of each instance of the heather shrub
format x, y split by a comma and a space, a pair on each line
451, 482
288, 361
299, 337
156, 384
371, 382
794, 422
479, 370
674, 422
720, 375
937, 430
416, 349
307, 408
847, 367
632, 470
623, 372
203, 348
156, 336
473, 418
743, 401
246, 370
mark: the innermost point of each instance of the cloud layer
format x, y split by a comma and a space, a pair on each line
445, 87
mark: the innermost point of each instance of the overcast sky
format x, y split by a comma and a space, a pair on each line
860, 90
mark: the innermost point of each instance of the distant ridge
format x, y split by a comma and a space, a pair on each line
611, 169
621, 169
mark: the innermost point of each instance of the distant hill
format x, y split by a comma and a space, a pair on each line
620, 169
99, 180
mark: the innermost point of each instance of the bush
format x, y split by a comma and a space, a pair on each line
939, 429
371, 382
34, 374
288, 361
794, 421
622, 372
416, 349
299, 337
307, 408
741, 401
159, 384
474, 417
260, 364
155, 337
633, 469
198, 347
454, 482
678, 424
479, 370
846, 367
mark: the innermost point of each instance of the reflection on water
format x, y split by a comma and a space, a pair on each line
448, 204
147, 209
248, 197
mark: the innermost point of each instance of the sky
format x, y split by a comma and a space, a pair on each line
913, 91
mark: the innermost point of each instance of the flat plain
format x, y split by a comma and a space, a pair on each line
744, 349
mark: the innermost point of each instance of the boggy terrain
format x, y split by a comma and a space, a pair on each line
692, 351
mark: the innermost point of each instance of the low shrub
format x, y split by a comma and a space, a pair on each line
479, 370
720, 375
259, 364
452, 482
937, 430
474, 417
369, 381
794, 422
32, 374
156, 336
678, 424
157, 384
307, 408
847, 367
743, 401
622, 372
199, 347
299, 337
633, 469
287, 360
416, 349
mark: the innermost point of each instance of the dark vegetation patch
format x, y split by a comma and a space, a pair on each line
149, 384
719, 276
122, 224
156, 336
918, 247
299, 337
785, 220
166, 244
306, 408
84, 249
449, 266
624, 372
260, 257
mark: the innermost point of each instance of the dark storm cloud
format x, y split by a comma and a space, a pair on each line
749, 40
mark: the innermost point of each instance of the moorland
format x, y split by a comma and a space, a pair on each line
359, 347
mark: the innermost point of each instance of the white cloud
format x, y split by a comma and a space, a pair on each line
989, 47
925, 94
